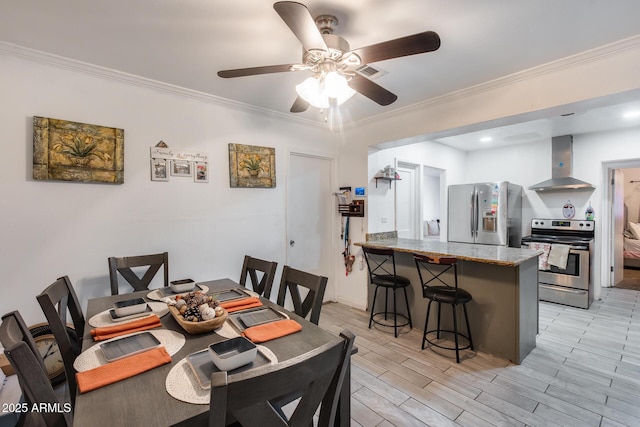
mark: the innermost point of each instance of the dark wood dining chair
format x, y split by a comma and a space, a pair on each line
292, 280
25, 359
125, 265
56, 301
251, 269
19, 331
318, 375
338, 397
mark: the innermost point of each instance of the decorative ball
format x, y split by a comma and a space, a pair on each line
208, 313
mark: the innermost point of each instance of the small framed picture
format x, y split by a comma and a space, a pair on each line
201, 172
181, 168
159, 170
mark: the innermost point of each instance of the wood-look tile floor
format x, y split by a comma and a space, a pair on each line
584, 371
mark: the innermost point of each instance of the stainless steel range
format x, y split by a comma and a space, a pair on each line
572, 282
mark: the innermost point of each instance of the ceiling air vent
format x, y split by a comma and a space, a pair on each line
370, 72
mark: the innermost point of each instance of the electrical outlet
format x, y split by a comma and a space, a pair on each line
383, 220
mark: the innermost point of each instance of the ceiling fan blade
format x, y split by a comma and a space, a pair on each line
252, 71
371, 90
299, 20
299, 105
404, 46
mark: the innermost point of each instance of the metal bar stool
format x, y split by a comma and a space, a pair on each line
382, 273
430, 268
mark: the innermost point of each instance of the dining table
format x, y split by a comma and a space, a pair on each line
143, 399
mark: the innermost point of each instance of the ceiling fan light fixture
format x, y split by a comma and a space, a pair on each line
317, 90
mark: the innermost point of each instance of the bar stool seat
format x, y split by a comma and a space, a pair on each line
430, 270
382, 274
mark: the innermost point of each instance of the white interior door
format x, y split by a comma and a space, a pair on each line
617, 214
309, 216
407, 201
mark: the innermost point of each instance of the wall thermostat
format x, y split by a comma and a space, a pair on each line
359, 192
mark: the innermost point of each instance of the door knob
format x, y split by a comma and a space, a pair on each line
292, 242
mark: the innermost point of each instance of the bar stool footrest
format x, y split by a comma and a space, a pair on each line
389, 315
425, 338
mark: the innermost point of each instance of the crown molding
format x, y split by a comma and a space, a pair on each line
132, 79
578, 59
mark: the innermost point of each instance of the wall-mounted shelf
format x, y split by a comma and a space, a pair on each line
385, 178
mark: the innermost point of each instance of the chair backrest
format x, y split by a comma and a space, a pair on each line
124, 265
29, 367
430, 270
248, 397
251, 267
292, 280
17, 330
331, 399
56, 301
380, 262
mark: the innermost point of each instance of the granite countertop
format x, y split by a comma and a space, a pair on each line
488, 254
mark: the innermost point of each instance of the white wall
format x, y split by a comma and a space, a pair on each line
430, 154
50, 229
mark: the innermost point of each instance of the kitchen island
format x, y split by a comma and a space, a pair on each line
503, 282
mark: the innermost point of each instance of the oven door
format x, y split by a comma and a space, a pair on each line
575, 275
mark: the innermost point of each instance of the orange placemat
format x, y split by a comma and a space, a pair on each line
121, 369
107, 332
271, 331
241, 304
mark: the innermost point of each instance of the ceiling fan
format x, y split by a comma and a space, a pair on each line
332, 62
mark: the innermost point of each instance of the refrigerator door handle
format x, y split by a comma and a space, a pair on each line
472, 216
476, 222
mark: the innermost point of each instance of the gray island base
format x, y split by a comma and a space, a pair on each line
503, 282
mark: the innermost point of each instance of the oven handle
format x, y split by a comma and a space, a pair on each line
563, 289
573, 249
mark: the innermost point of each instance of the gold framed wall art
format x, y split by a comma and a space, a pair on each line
252, 166
72, 151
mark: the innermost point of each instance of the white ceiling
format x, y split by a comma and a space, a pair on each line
184, 43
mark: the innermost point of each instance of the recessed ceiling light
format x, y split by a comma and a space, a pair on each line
632, 114
486, 139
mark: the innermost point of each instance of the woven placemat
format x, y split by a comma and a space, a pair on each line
156, 295
92, 357
227, 331
181, 382
103, 318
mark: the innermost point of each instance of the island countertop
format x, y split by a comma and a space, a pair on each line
488, 254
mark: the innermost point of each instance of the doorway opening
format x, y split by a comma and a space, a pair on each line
432, 196
621, 248
419, 199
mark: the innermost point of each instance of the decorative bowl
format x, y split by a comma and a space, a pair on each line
196, 328
184, 285
230, 354
129, 307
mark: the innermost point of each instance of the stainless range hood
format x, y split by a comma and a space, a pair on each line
561, 168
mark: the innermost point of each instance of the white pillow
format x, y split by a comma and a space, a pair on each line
433, 227
634, 228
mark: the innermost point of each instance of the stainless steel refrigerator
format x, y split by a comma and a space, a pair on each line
487, 213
